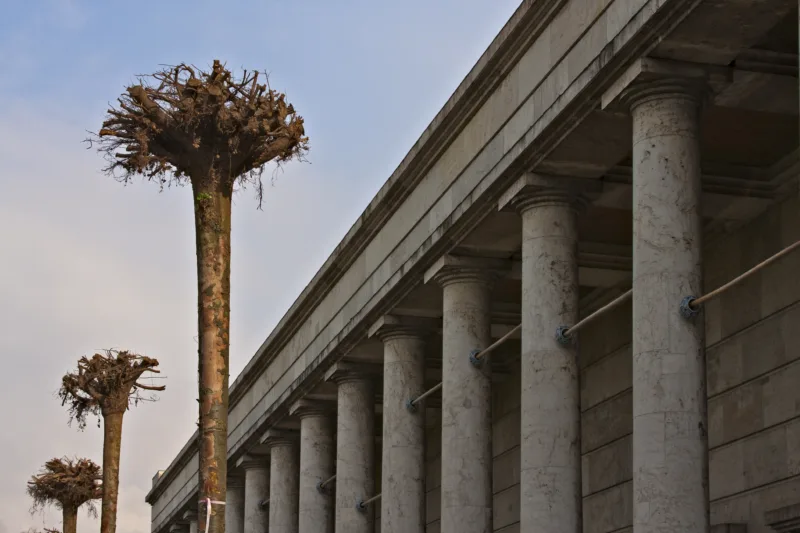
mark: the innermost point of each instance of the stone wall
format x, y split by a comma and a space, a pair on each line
753, 353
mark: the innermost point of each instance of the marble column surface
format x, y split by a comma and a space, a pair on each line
317, 463
670, 428
283, 481
256, 490
550, 452
355, 447
466, 501
403, 443
234, 506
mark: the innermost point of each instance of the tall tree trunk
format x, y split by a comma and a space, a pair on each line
212, 208
112, 445
69, 520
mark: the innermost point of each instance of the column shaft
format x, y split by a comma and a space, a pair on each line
283, 488
193, 526
234, 508
550, 460
466, 501
316, 465
355, 453
403, 465
670, 446
256, 490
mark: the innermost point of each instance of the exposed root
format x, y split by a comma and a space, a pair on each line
66, 482
182, 122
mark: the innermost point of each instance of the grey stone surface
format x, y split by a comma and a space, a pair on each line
234, 506
256, 491
550, 460
283, 482
355, 448
670, 427
466, 486
317, 464
403, 459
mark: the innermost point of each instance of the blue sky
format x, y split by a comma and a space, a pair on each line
90, 264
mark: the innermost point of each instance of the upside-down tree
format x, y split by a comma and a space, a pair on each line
216, 132
104, 386
67, 484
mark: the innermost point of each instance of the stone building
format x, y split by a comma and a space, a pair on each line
597, 147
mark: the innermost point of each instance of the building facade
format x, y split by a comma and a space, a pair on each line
621, 156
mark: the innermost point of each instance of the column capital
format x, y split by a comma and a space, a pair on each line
390, 327
249, 461
533, 189
274, 438
177, 527
648, 78
455, 268
305, 408
235, 480
189, 516
347, 371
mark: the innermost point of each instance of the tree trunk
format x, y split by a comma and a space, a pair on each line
112, 444
212, 207
69, 520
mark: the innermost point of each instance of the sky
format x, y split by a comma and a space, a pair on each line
87, 263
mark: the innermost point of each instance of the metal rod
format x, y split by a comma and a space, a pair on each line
427, 393
716, 292
411, 404
612, 304
498, 342
363, 505
322, 484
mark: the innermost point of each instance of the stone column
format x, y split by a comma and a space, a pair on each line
191, 517
317, 456
256, 491
403, 464
550, 452
466, 503
283, 481
234, 505
355, 446
670, 443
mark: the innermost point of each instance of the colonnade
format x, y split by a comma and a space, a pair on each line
670, 466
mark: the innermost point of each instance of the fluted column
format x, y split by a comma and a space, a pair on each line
466, 503
355, 447
256, 491
317, 463
234, 506
403, 464
550, 456
283, 481
670, 443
